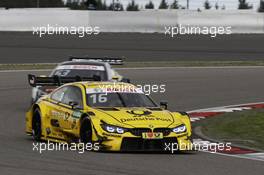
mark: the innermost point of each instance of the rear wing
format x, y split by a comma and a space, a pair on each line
110, 60
57, 81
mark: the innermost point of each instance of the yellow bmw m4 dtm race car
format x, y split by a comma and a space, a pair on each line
117, 116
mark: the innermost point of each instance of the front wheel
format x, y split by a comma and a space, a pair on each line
36, 125
86, 131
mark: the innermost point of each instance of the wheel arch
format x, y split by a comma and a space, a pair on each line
83, 116
34, 107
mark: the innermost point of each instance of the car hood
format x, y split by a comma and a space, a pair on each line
138, 117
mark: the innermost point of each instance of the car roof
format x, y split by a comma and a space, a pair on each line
83, 62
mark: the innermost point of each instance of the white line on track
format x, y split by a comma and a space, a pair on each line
241, 156
250, 156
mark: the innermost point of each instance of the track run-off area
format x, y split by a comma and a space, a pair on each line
186, 89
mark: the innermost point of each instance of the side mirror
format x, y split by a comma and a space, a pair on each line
126, 80
164, 104
73, 104
115, 78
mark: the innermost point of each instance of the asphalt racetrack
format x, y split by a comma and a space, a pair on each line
23, 47
186, 89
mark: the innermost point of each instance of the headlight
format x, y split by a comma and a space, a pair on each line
110, 129
113, 129
120, 130
179, 129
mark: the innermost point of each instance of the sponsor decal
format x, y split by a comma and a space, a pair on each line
67, 116
114, 89
152, 135
94, 90
63, 115
81, 67
73, 125
139, 113
145, 118
57, 114
77, 114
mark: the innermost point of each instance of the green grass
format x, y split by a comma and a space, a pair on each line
26, 66
144, 64
244, 128
194, 63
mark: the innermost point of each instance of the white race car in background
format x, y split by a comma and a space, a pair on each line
98, 68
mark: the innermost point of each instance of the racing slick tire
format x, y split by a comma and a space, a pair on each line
86, 131
36, 125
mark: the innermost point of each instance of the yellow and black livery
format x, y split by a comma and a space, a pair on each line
118, 116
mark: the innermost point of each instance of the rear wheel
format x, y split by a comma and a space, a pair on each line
36, 125
86, 131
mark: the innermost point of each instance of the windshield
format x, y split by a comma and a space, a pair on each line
119, 100
81, 73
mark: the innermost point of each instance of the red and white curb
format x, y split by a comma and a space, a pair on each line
201, 114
